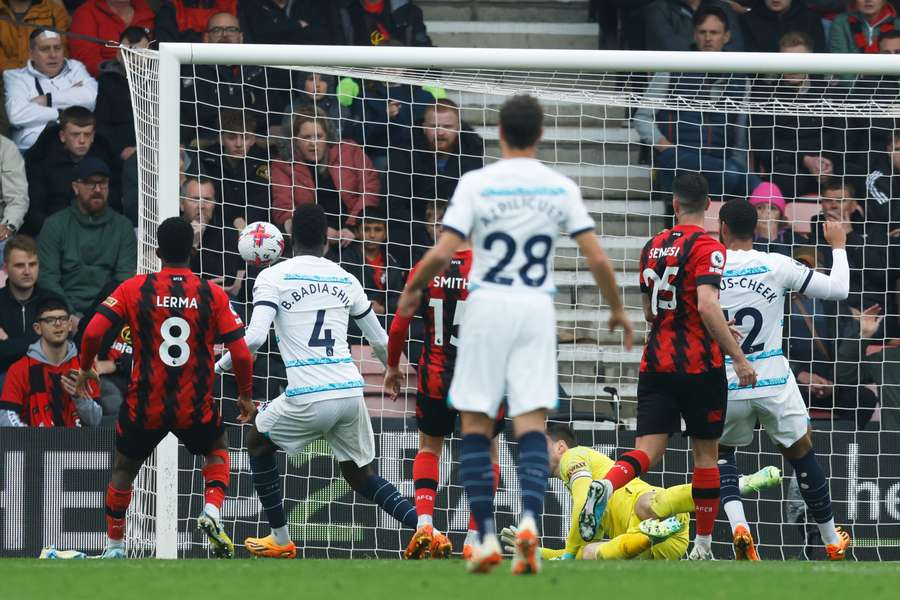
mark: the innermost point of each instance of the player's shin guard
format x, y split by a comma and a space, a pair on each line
730, 489
534, 469
477, 477
267, 481
705, 490
117, 502
425, 478
814, 489
215, 477
384, 494
630, 465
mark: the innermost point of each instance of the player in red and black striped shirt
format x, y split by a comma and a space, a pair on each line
176, 318
682, 371
442, 310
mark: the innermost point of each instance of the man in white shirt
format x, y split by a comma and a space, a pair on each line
310, 300
49, 83
512, 213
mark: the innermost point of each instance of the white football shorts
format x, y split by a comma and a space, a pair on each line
342, 422
784, 417
507, 348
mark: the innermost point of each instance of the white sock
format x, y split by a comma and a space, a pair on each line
735, 511
528, 521
111, 543
281, 535
471, 538
828, 532
212, 510
703, 540
424, 520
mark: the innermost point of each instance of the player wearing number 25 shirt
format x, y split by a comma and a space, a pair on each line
176, 318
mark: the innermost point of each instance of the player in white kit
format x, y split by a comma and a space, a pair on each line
753, 289
310, 299
512, 213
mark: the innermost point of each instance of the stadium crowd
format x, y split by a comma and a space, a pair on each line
384, 158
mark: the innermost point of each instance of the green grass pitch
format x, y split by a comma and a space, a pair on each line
398, 580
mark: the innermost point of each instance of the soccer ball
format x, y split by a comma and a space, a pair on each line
260, 243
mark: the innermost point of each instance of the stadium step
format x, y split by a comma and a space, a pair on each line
484, 109
514, 34
571, 144
571, 11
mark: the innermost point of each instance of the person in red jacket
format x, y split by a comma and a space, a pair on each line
105, 20
185, 20
337, 175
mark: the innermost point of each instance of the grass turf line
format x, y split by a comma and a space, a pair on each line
394, 579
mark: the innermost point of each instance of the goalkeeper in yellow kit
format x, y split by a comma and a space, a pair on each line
641, 521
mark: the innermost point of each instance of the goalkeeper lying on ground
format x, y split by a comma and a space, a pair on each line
638, 514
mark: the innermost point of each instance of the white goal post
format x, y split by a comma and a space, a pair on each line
576, 76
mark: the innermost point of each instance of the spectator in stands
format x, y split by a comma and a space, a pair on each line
87, 245
867, 248
335, 174
865, 357
209, 88
51, 164
18, 300
215, 254
764, 25
773, 233
373, 22
39, 390
19, 17
317, 91
49, 83
105, 20
240, 169
670, 24
425, 234
186, 20
713, 143
857, 31
797, 150
374, 267
882, 204
13, 191
443, 149
290, 22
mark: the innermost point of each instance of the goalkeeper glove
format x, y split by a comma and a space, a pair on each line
508, 539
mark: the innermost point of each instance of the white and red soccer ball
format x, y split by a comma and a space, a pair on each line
260, 243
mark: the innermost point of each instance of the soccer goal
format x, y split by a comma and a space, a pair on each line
619, 124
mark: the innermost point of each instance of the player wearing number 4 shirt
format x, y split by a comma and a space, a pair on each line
682, 374
753, 288
310, 299
176, 318
512, 213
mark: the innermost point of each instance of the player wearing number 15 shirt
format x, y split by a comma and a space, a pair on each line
176, 318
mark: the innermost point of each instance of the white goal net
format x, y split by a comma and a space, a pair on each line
799, 145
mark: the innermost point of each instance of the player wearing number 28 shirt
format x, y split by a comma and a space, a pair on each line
682, 373
512, 213
176, 318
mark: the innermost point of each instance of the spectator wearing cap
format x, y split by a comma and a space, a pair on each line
46, 85
773, 232
52, 160
87, 245
39, 389
768, 20
13, 191
186, 20
105, 20
20, 17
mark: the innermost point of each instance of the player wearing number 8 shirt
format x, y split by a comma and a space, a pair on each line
682, 373
176, 318
512, 213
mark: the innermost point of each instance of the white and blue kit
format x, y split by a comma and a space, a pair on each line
512, 212
752, 293
310, 300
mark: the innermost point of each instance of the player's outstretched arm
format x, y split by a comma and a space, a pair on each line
256, 335
396, 342
714, 320
90, 347
434, 261
835, 285
375, 333
605, 277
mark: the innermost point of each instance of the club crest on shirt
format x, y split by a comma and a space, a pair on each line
110, 302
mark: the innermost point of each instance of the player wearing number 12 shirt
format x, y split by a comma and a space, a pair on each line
176, 318
512, 212
682, 373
